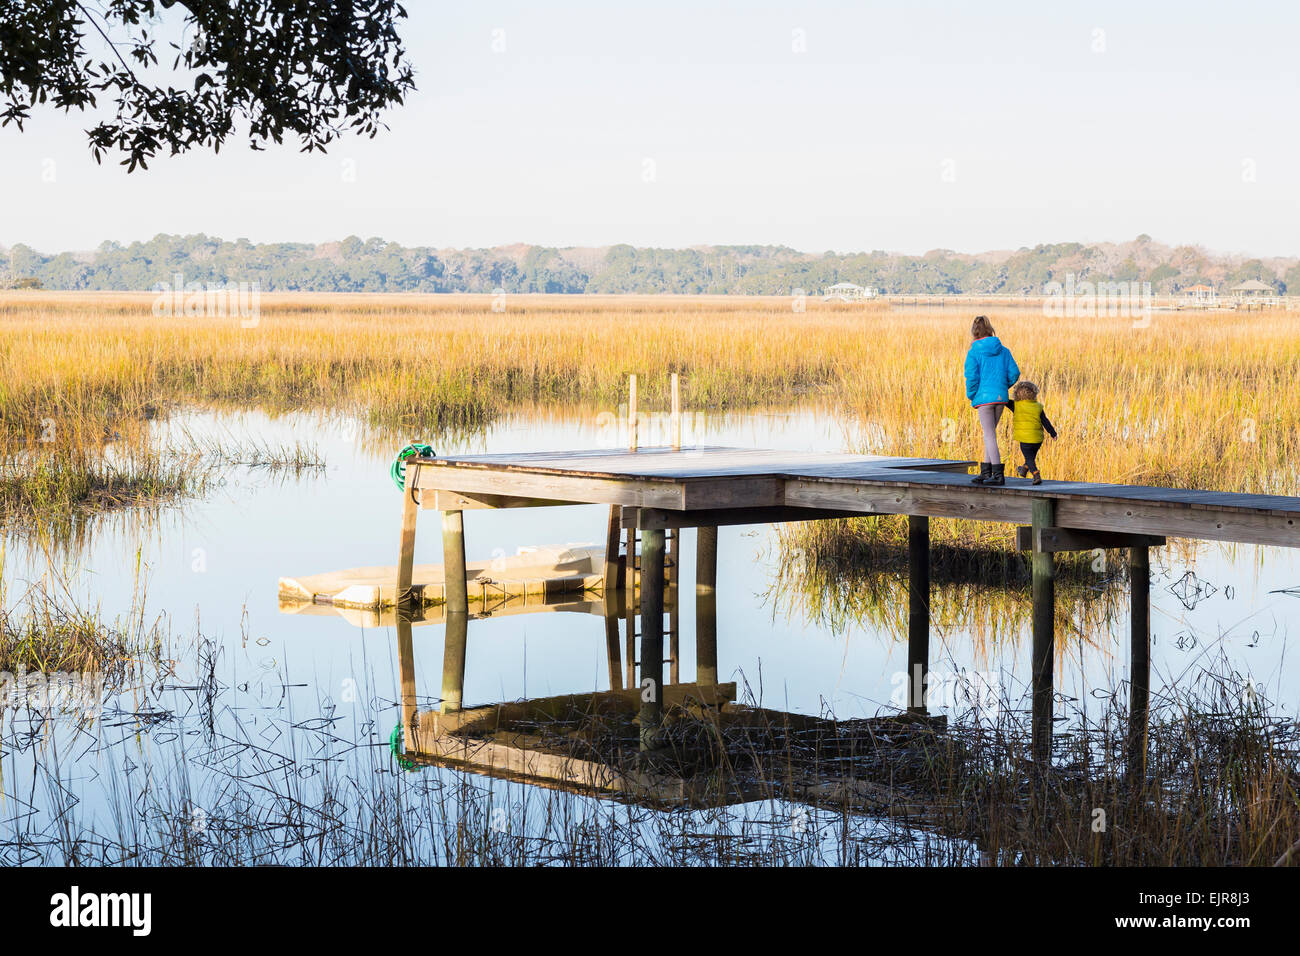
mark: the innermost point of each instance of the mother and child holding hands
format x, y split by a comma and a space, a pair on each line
990, 372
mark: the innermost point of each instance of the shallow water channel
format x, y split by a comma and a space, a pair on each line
264, 735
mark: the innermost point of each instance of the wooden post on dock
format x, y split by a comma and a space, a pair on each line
614, 569
1044, 640
406, 550
631, 413
652, 636
453, 661
676, 414
918, 610
455, 587
706, 637
1139, 573
706, 558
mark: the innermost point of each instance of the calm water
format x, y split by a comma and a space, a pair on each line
315, 688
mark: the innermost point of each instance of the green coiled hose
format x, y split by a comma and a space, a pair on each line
398, 469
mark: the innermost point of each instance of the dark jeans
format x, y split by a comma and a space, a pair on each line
1030, 450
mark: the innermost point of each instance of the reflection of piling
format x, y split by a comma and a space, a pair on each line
1139, 573
613, 608
1043, 516
652, 636
453, 662
918, 609
406, 663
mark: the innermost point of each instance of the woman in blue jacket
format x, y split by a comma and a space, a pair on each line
990, 372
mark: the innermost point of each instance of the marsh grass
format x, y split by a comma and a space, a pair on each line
855, 571
44, 630
1191, 399
59, 489
1219, 788
229, 449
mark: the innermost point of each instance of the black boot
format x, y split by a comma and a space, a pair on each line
986, 472
999, 475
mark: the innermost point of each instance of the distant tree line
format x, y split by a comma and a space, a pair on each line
374, 265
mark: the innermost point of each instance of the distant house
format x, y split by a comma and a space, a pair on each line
1199, 295
1253, 289
848, 292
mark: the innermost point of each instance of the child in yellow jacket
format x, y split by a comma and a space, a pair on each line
1028, 422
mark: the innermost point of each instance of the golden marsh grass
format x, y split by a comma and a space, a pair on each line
1194, 399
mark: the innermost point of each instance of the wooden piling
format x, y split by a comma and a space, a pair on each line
614, 571
706, 558
676, 413
706, 637
631, 413
1043, 515
918, 610
674, 631
1139, 572
453, 662
406, 550
652, 637
453, 562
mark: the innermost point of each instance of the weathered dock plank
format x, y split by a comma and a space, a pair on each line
775, 483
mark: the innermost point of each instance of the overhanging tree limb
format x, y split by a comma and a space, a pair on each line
305, 69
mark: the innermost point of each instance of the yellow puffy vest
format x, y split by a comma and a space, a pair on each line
1027, 422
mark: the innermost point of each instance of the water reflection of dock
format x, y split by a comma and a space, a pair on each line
714, 750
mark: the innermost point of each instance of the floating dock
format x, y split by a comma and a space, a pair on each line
543, 572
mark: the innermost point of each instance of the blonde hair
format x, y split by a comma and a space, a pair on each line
981, 328
1029, 389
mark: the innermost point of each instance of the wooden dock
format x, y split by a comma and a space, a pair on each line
654, 489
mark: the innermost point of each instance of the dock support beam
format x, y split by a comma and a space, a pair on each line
406, 550
918, 610
614, 571
1139, 573
706, 638
455, 587
453, 661
1044, 642
706, 559
652, 637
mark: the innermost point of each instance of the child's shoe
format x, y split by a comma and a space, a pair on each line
1038, 477
999, 476
986, 472
1021, 471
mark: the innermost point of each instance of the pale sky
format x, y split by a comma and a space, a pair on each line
848, 126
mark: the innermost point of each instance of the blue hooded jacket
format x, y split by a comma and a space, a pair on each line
990, 371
